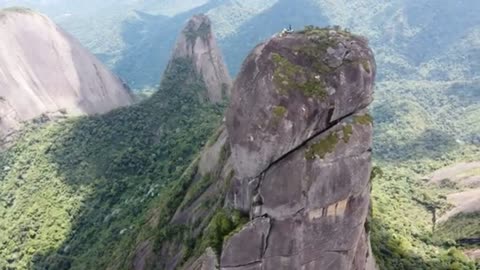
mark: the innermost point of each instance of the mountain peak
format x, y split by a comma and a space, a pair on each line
300, 140
56, 75
309, 80
23, 10
197, 43
198, 26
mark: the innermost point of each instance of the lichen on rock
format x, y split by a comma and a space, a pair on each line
309, 176
316, 74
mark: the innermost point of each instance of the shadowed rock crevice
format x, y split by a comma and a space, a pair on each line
330, 126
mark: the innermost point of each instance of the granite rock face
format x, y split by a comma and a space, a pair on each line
43, 70
292, 88
197, 44
288, 173
208, 261
301, 143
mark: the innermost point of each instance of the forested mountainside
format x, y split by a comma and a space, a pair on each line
59, 75
76, 193
426, 112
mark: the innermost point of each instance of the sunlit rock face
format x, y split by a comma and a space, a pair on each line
197, 44
301, 143
43, 70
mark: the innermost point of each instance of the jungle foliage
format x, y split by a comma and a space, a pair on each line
74, 193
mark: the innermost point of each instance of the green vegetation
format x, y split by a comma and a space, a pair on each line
366, 65
279, 111
401, 228
322, 147
75, 193
196, 190
315, 31
420, 128
223, 225
461, 226
16, 9
347, 133
365, 119
5, 11
315, 89
286, 73
289, 76
327, 145
209, 223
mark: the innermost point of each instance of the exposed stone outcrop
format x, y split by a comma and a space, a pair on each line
208, 261
294, 157
292, 88
301, 148
197, 43
44, 70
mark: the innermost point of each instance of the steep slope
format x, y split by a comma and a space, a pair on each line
198, 44
292, 193
96, 179
45, 70
460, 222
301, 153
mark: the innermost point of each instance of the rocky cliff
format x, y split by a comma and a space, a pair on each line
197, 43
301, 149
285, 182
45, 70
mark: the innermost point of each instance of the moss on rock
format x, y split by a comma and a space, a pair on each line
222, 226
314, 89
322, 147
365, 119
16, 9
289, 76
285, 74
347, 133
279, 111
366, 65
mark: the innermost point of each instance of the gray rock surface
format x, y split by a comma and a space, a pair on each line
295, 157
293, 87
208, 261
248, 246
301, 143
198, 44
44, 70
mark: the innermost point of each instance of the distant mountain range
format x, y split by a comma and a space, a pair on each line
135, 38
